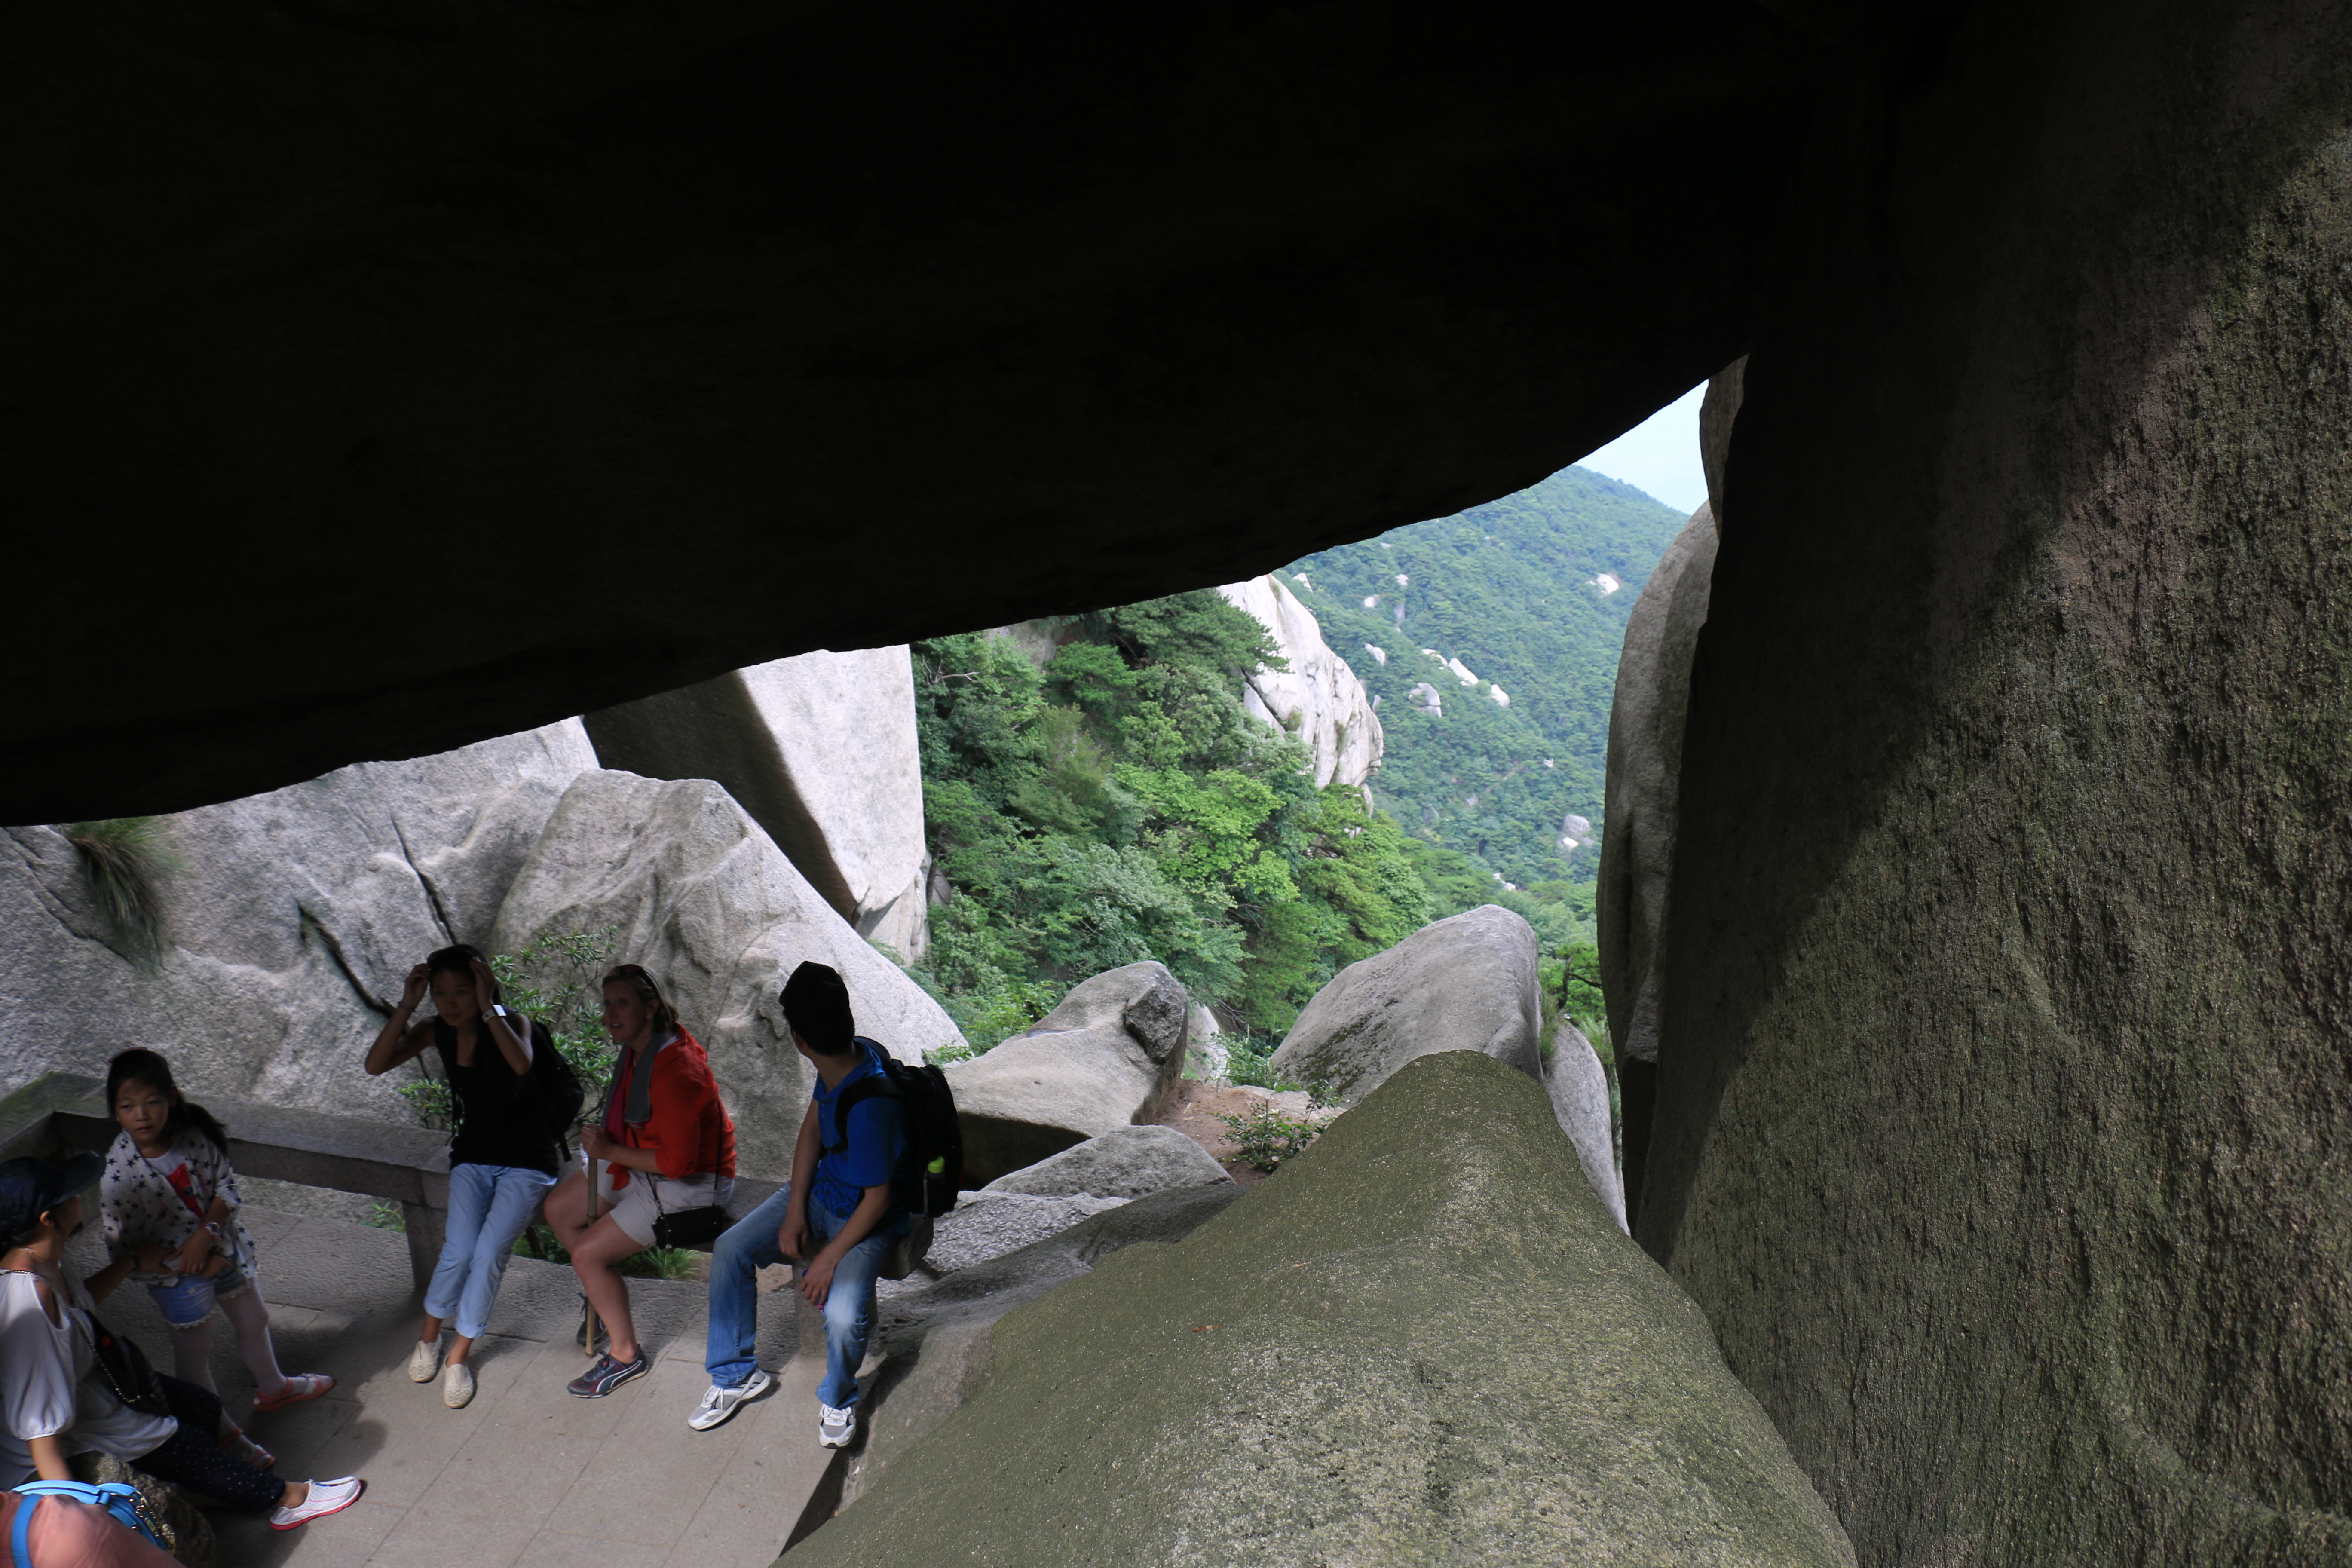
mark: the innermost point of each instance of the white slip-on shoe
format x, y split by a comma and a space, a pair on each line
425, 1361
326, 1497
456, 1385
718, 1404
834, 1428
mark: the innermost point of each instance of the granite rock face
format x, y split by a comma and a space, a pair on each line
1317, 697
288, 933
821, 751
989, 1223
1126, 1163
1579, 1088
1100, 1061
1645, 781
2002, 1108
1464, 984
1337, 1395
704, 899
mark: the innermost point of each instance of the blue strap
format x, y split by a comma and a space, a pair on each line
116, 1499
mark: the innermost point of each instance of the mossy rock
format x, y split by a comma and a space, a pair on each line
1423, 1342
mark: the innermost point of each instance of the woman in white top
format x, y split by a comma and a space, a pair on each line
57, 1401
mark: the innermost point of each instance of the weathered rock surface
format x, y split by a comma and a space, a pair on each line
1128, 1162
2003, 1109
1579, 1087
1338, 1395
1211, 1058
1637, 853
821, 751
1645, 751
295, 910
1317, 697
1100, 1061
1466, 983
936, 1345
704, 899
986, 1224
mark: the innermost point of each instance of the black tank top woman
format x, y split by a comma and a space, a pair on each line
501, 1117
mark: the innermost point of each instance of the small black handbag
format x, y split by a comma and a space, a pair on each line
693, 1228
124, 1367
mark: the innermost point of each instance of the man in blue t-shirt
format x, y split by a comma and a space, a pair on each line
839, 1200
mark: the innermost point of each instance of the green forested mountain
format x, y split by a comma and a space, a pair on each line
1117, 803
1512, 591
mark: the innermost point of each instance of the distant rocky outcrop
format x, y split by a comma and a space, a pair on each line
1100, 1061
703, 898
1126, 1163
1466, 983
287, 934
821, 751
1318, 697
1310, 1378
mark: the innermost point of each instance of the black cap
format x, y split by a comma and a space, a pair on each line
31, 1188
816, 1005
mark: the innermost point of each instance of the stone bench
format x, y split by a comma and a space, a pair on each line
61, 1113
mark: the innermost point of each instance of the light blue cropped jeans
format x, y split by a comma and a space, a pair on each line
489, 1206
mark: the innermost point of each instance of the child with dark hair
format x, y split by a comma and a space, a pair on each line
839, 1200
169, 1200
503, 1156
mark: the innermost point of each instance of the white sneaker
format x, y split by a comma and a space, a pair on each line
457, 1385
719, 1404
834, 1428
425, 1361
326, 1497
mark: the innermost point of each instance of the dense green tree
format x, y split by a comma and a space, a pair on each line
1119, 804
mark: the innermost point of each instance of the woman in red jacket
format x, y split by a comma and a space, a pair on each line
664, 1144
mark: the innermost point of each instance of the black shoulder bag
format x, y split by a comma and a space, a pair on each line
694, 1228
124, 1367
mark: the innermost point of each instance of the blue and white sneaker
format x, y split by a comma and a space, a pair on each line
608, 1374
834, 1428
718, 1404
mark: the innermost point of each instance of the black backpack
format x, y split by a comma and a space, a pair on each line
560, 1088
929, 1172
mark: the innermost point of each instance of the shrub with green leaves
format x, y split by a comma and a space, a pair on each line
1265, 1137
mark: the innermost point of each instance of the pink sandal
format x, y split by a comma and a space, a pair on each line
306, 1386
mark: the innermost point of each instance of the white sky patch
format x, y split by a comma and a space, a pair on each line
1660, 454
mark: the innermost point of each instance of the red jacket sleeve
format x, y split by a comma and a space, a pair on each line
690, 1133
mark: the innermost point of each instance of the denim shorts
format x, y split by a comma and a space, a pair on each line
188, 1302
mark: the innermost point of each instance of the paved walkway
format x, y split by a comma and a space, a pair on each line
526, 1475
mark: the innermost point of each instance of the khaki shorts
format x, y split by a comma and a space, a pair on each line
635, 1206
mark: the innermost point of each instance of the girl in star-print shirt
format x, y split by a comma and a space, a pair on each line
171, 1201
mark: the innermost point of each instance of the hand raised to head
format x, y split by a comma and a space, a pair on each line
412, 993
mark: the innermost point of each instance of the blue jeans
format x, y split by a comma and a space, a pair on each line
188, 1300
489, 1206
750, 1243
